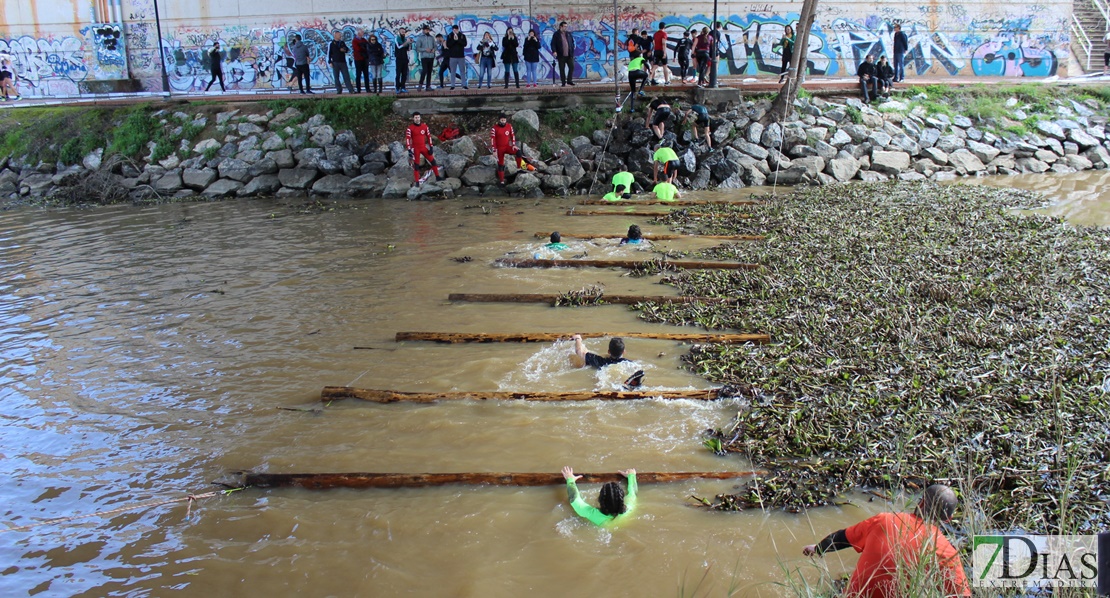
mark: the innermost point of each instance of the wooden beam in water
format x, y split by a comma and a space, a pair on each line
605, 299
548, 337
332, 393
573, 212
660, 202
658, 237
685, 265
326, 481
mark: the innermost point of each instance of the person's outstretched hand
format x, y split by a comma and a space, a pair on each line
809, 550
568, 473
627, 472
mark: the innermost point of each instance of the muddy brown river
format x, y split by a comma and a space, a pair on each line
144, 353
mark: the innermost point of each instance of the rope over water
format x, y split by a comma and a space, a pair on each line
190, 499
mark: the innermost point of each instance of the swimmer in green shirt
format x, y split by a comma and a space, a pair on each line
669, 160
612, 499
666, 191
623, 179
621, 192
556, 243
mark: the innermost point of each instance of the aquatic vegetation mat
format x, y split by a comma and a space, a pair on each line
921, 333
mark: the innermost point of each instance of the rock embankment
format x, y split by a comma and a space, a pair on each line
822, 142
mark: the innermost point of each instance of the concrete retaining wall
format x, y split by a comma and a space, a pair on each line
60, 47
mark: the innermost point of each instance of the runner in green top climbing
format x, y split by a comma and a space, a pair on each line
621, 192
612, 499
623, 179
669, 160
666, 191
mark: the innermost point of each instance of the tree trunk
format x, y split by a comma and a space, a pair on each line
549, 337
531, 263
332, 393
784, 101
324, 481
603, 300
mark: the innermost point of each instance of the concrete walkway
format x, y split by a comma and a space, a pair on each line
747, 86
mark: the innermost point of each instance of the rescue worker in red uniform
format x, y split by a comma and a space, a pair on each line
502, 141
418, 140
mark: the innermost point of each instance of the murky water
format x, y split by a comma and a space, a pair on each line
144, 353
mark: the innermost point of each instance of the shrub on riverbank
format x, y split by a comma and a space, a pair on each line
920, 333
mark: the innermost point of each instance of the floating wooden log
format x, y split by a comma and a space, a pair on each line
332, 393
326, 481
548, 337
658, 237
647, 214
605, 299
685, 265
660, 202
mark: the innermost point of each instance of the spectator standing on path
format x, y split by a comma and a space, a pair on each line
215, 65
896, 545
682, 55
444, 59
487, 60
510, 57
715, 50
425, 46
659, 58
401, 47
337, 58
361, 54
787, 44
901, 46
456, 49
531, 58
300, 61
375, 56
868, 77
562, 44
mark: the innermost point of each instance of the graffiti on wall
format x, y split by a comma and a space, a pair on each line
943, 39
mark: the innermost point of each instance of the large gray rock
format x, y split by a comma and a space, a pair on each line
826, 151
310, 157
223, 117
286, 116
169, 182
329, 167
246, 129
222, 188
283, 158
1098, 156
842, 168
1081, 138
754, 133
272, 143
351, 166
1078, 162
1002, 163
93, 159
840, 138
905, 143
929, 137
572, 167
772, 136
266, 184
555, 182
1031, 165
936, 155
523, 183
751, 149
924, 166
527, 118
323, 136
363, 184
332, 184
336, 152
236, 170
205, 145
1051, 129
248, 144
464, 146
789, 176
984, 152
396, 187
198, 179
962, 121
811, 164
264, 166
857, 132
879, 139
1046, 156
480, 175
949, 144
722, 132
36, 184
298, 178
965, 162
889, 162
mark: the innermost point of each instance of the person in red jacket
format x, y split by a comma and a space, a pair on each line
361, 54
502, 141
418, 140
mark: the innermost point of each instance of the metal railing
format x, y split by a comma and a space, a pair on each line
1079, 36
1104, 8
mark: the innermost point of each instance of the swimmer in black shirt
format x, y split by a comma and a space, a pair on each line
582, 358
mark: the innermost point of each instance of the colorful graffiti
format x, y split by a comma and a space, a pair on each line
945, 39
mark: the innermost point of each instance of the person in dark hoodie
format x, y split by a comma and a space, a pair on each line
375, 56
215, 60
868, 79
531, 58
401, 47
456, 49
886, 76
901, 46
509, 56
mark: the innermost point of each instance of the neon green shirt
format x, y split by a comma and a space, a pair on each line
592, 513
611, 196
665, 191
556, 246
636, 64
665, 154
624, 178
